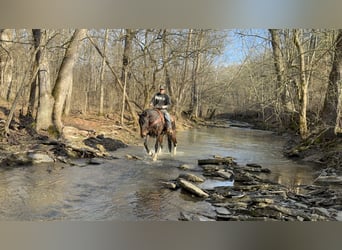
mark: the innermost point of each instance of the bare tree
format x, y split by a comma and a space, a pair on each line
332, 109
103, 65
125, 66
64, 79
27, 78
302, 86
121, 85
6, 62
45, 100
279, 64
194, 106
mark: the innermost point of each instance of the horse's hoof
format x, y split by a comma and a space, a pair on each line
154, 158
174, 152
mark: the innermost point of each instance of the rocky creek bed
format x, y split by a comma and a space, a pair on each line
253, 197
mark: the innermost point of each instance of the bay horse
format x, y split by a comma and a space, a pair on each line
152, 123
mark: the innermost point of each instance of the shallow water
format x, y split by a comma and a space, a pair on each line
130, 190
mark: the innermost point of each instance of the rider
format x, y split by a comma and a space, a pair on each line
162, 102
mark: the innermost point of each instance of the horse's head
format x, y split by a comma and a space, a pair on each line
143, 123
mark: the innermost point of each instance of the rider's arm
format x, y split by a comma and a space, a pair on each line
152, 101
167, 103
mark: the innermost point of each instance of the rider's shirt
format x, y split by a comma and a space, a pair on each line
161, 100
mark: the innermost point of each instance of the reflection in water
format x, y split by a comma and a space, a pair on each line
148, 203
130, 190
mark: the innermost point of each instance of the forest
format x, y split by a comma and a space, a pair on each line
70, 98
288, 79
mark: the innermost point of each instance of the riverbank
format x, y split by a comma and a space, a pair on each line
85, 136
322, 147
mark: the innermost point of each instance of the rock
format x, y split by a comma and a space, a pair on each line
108, 144
101, 148
255, 169
192, 188
211, 168
133, 157
185, 216
217, 161
329, 179
223, 211
253, 165
191, 177
226, 174
339, 216
96, 161
321, 211
39, 157
169, 184
185, 167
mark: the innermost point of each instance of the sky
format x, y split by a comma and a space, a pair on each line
241, 43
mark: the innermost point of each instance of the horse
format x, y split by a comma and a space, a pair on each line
152, 123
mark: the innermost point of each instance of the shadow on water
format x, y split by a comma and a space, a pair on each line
130, 190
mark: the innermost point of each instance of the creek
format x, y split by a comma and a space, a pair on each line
125, 189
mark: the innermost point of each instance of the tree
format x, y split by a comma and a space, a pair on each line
64, 79
194, 106
125, 65
279, 64
302, 86
6, 62
332, 109
45, 101
121, 85
103, 65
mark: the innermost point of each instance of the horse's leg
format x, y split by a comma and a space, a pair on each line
174, 140
155, 155
169, 142
159, 147
171, 139
146, 146
159, 143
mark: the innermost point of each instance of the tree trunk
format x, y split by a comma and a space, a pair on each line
302, 88
45, 103
183, 87
279, 65
6, 63
125, 64
332, 109
197, 64
64, 79
103, 65
37, 36
166, 70
30, 73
